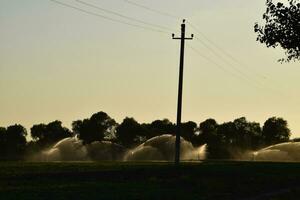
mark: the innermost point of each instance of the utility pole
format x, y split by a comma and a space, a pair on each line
179, 102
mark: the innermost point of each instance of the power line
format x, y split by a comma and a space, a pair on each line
220, 66
152, 9
225, 61
210, 60
204, 36
228, 55
261, 78
109, 18
121, 15
146, 28
272, 90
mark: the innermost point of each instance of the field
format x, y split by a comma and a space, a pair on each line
117, 180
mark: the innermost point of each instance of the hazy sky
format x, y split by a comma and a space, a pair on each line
60, 63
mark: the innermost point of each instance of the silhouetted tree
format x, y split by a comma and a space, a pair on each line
159, 127
33, 148
227, 133
249, 134
282, 27
275, 130
2, 132
46, 135
207, 132
2, 142
234, 138
94, 128
188, 130
226, 138
38, 132
129, 133
223, 140
15, 141
208, 135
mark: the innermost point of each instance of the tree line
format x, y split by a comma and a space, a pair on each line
224, 140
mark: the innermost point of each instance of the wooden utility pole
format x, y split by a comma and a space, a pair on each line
179, 102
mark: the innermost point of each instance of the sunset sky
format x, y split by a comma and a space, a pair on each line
60, 63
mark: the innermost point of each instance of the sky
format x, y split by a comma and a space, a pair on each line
58, 63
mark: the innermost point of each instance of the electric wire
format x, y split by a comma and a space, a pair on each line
218, 55
242, 75
152, 9
228, 55
262, 80
224, 69
109, 18
121, 15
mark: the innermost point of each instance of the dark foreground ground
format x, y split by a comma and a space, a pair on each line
115, 180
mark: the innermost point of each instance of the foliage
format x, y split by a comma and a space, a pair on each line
282, 28
159, 127
13, 142
188, 130
248, 134
46, 135
225, 140
207, 132
239, 136
275, 130
129, 133
208, 135
98, 126
230, 138
2, 141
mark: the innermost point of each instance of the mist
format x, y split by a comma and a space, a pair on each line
288, 151
160, 148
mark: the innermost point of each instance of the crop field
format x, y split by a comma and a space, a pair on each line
151, 180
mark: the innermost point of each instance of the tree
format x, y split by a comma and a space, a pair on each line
2, 142
159, 127
48, 134
129, 133
227, 133
188, 130
207, 132
208, 135
241, 134
15, 141
275, 130
57, 132
234, 138
225, 141
39, 132
249, 134
95, 128
282, 28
